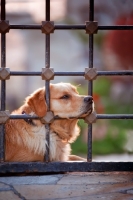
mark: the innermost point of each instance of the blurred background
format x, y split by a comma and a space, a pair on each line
113, 50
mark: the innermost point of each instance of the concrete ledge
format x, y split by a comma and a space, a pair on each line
74, 186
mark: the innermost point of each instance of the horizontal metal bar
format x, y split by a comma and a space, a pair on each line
69, 73
58, 27
116, 27
115, 73
26, 27
99, 73
23, 116
99, 116
73, 27
114, 116
58, 167
25, 73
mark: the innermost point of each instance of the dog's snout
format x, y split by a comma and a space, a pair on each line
88, 99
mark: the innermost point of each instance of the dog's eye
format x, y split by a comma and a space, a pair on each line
65, 97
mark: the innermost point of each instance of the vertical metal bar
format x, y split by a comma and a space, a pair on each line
3, 10
47, 10
47, 83
90, 84
3, 84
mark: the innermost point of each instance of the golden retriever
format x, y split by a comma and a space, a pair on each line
26, 140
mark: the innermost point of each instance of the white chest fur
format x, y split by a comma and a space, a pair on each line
59, 150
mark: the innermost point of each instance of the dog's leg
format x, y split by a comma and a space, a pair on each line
76, 158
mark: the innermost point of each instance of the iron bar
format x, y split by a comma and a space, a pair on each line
47, 83
3, 65
72, 27
25, 116
115, 73
90, 83
26, 27
116, 27
3, 83
25, 73
47, 10
115, 116
60, 167
99, 116
99, 73
3, 10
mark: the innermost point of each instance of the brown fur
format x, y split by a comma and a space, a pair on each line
27, 142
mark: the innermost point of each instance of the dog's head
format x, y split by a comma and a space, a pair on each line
65, 101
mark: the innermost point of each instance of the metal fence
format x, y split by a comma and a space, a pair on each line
47, 27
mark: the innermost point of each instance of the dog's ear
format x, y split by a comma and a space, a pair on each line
37, 102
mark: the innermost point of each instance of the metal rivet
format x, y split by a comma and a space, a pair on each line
4, 116
91, 118
91, 27
90, 73
4, 26
4, 73
47, 73
48, 118
47, 27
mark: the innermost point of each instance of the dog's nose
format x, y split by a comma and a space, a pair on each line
88, 99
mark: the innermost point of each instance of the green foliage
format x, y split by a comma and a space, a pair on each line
79, 147
101, 87
120, 109
98, 39
110, 144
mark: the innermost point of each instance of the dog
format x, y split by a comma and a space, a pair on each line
26, 139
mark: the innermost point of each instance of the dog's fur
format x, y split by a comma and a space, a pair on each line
27, 142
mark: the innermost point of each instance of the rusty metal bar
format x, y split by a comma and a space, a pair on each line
115, 73
115, 116
99, 73
3, 10
99, 116
72, 27
3, 65
90, 83
116, 27
57, 167
26, 27
47, 83
3, 83
82, 27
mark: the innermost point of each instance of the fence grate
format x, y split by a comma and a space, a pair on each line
47, 167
